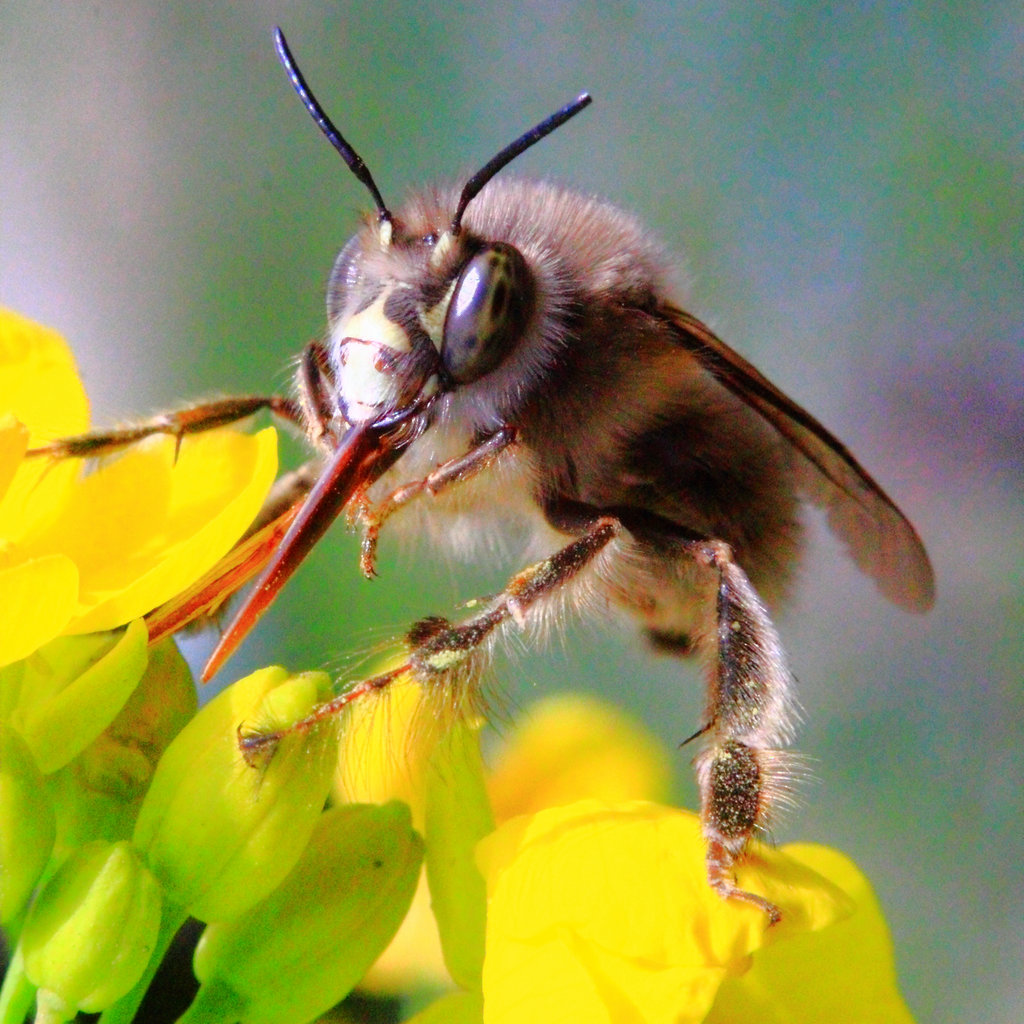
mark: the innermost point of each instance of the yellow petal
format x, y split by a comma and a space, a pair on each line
842, 973
38, 381
39, 387
145, 526
110, 525
13, 443
37, 599
33, 502
603, 913
571, 747
385, 747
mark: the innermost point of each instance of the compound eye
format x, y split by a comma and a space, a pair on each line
489, 310
345, 279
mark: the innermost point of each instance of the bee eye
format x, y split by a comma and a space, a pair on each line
489, 310
345, 278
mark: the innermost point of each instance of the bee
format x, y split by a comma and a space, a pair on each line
507, 357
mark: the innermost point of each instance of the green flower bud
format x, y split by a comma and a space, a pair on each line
221, 833
27, 824
161, 706
92, 930
306, 946
71, 689
457, 816
98, 794
452, 1008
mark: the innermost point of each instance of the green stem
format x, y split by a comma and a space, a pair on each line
123, 1011
17, 993
12, 928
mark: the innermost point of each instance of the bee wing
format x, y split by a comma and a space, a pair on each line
206, 596
879, 537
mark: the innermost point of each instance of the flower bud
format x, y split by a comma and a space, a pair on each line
452, 1008
221, 833
92, 930
305, 947
98, 794
72, 689
27, 826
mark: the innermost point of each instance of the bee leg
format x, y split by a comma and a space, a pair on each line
462, 467
448, 658
318, 405
193, 420
742, 768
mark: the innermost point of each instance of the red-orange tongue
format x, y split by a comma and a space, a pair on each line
353, 462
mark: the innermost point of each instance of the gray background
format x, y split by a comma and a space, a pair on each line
843, 187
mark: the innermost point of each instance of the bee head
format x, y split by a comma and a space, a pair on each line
416, 309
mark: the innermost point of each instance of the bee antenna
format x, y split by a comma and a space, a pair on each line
510, 152
324, 123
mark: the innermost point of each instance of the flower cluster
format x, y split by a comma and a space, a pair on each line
556, 886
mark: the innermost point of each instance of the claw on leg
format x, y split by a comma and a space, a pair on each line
732, 795
720, 859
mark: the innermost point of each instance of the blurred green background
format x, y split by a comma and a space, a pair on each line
844, 188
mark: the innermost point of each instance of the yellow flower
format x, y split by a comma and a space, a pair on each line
567, 747
602, 913
572, 746
842, 973
597, 902
80, 552
599, 910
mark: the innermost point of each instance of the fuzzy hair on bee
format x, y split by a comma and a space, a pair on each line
506, 359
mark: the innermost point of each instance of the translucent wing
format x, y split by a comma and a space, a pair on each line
879, 537
206, 596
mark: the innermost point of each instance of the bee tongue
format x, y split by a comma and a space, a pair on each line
361, 450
